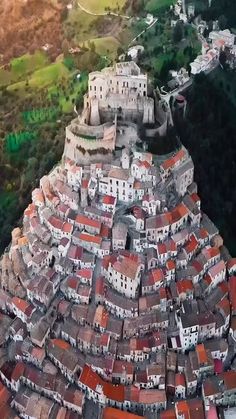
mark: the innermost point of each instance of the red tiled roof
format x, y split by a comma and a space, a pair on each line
231, 263
60, 343
218, 366
201, 353
112, 413
184, 286
22, 305
90, 238
168, 414
114, 391
179, 380
183, 409
108, 200
86, 273
232, 291
99, 287
170, 264
90, 378
192, 244
67, 228
72, 282
84, 220
161, 248
84, 183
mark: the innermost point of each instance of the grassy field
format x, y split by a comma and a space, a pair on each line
153, 6
41, 78
20, 67
99, 6
105, 46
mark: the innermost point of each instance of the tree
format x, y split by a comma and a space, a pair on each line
222, 58
65, 46
222, 22
178, 32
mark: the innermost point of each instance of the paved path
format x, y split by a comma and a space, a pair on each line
110, 13
145, 30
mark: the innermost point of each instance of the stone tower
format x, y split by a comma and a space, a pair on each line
125, 159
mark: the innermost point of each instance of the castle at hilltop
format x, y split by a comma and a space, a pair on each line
121, 89
115, 102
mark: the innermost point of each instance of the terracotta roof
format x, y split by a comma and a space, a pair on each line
85, 273
90, 238
216, 269
108, 200
112, 413
119, 173
191, 245
232, 291
231, 264
167, 164
184, 286
100, 286
127, 267
114, 391
20, 304
183, 409
60, 343
55, 222
67, 228
152, 396
201, 354
161, 248
179, 380
84, 183
229, 378
168, 414
82, 219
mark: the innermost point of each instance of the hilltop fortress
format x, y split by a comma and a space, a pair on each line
116, 101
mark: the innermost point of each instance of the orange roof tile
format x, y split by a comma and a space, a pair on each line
67, 228
112, 413
62, 344
90, 238
201, 353
82, 219
179, 380
108, 200
22, 305
184, 286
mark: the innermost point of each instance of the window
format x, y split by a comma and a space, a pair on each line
100, 88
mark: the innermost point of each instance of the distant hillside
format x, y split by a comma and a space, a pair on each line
29, 24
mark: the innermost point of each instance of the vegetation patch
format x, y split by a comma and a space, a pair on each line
20, 67
15, 140
38, 116
154, 6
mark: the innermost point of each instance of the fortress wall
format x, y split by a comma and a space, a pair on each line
73, 145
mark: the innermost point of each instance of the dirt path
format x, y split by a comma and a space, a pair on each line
101, 14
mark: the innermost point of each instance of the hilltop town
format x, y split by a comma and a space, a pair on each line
117, 294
